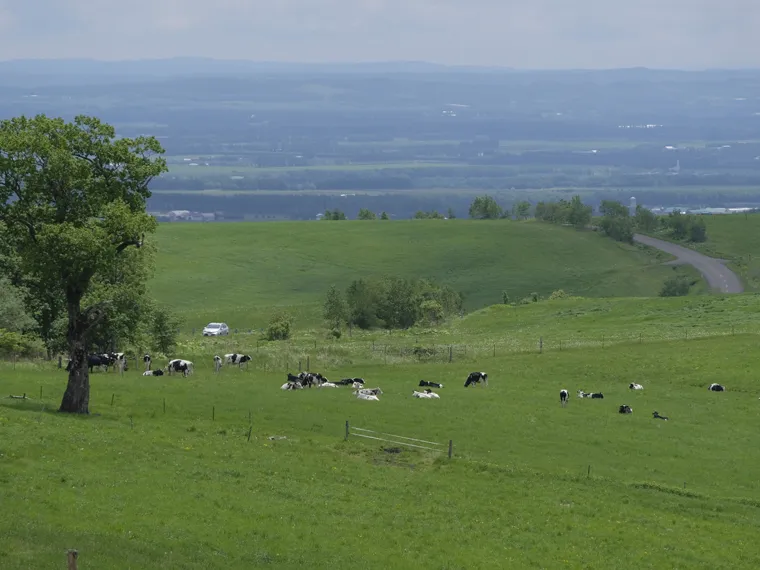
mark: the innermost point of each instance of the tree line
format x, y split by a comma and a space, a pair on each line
391, 303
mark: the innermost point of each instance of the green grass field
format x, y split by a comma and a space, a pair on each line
531, 485
162, 474
239, 273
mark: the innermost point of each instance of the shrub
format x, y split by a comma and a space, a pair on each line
163, 331
558, 294
677, 286
279, 327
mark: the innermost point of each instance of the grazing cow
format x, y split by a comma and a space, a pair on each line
147, 360
625, 409
94, 360
595, 395
634, 386
238, 359
717, 388
476, 378
158, 372
291, 386
563, 396
424, 383
657, 416
179, 365
217, 363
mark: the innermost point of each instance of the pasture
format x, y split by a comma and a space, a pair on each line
531, 484
243, 272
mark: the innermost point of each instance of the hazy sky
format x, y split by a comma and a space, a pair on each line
516, 33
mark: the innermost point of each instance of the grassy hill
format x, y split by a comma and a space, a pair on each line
240, 272
531, 484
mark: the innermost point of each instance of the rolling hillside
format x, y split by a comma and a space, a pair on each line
241, 272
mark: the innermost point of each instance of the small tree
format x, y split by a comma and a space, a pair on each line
613, 209
432, 311
365, 214
645, 220
279, 327
505, 297
335, 309
384, 216
450, 214
163, 330
698, 231
579, 214
521, 210
485, 208
334, 215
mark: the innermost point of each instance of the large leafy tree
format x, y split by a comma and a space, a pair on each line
73, 197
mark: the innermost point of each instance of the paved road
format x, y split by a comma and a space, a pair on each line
718, 276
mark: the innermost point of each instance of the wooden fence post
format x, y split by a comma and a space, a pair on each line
451, 352
308, 363
451, 447
540, 345
346, 438
164, 405
494, 350
213, 413
72, 556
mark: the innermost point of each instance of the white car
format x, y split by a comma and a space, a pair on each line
216, 329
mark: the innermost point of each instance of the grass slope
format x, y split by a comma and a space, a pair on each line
239, 272
133, 486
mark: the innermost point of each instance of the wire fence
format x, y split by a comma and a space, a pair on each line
391, 438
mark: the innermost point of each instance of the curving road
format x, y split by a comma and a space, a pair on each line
718, 276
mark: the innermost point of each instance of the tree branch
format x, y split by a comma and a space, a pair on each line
135, 242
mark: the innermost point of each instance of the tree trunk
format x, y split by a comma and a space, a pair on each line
76, 399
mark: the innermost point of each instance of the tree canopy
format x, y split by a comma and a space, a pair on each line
72, 200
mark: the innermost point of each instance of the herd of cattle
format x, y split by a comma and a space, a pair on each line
118, 361
564, 396
308, 379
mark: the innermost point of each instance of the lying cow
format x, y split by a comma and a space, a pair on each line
717, 388
625, 409
634, 386
427, 394
476, 378
158, 372
373, 391
292, 386
657, 416
424, 383
594, 395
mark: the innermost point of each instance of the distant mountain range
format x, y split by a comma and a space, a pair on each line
52, 71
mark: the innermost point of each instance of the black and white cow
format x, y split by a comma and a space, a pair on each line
563, 396
238, 359
119, 361
148, 362
476, 378
158, 372
657, 416
292, 386
594, 395
634, 386
424, 383
625, 409
217, 363
180, 365
367, 391
717, 388
345, 382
